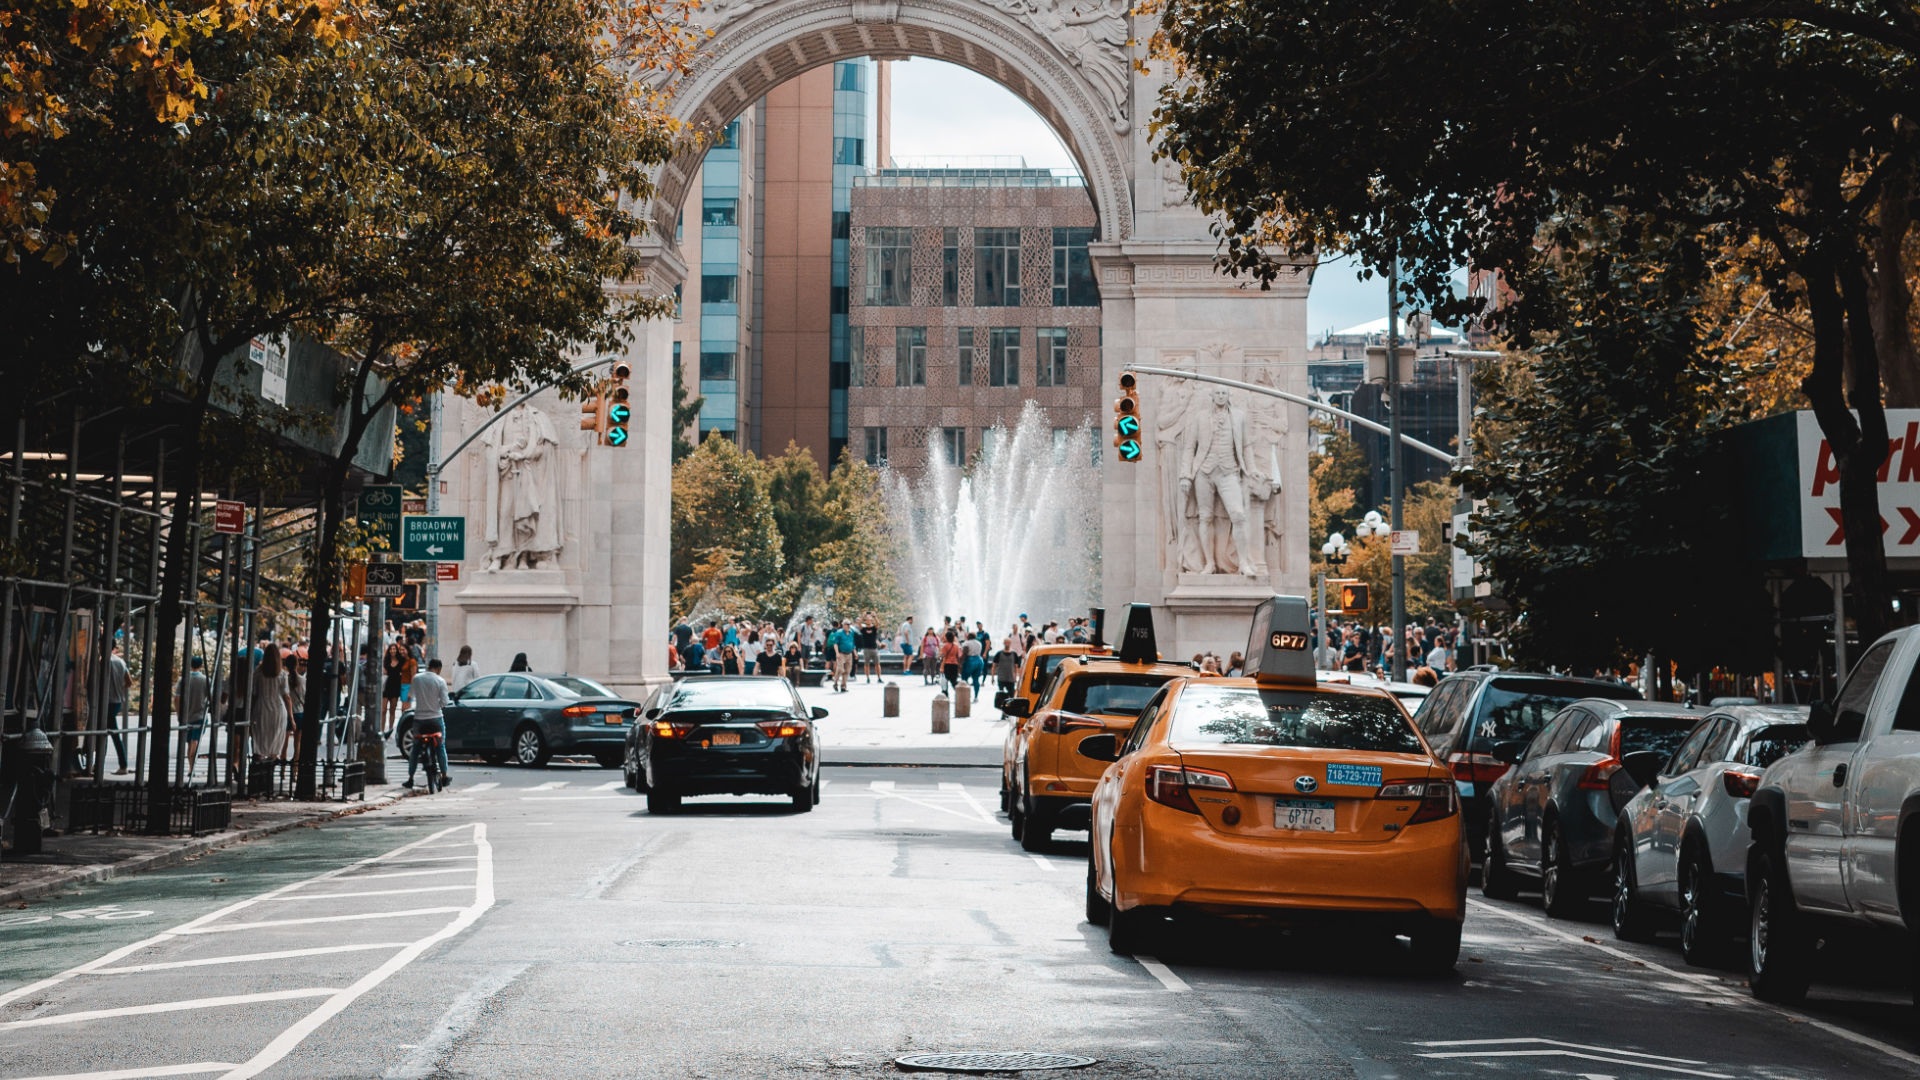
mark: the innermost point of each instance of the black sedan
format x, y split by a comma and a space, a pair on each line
528, 718
725, 735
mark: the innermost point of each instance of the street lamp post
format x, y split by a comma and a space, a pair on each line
1375, 525
1335, 551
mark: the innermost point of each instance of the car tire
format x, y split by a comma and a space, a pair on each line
1015, 819
802, 799
1497, 879
816, 788
530, 747
1631, 919
1036, 830
1098, 910
663, 802
1780, 950
628, 774
403, 740
495, 757
1133, 930
1435, 948
1560, 895
1703, 929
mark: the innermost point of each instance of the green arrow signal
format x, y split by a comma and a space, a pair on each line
617, 436
619, 413
1129, 450
1128, 425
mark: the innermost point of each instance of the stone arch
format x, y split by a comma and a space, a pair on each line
756, 46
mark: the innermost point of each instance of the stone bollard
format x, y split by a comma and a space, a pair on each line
940, 725
890, 699
962, 700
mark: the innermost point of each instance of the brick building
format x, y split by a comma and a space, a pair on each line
971, 294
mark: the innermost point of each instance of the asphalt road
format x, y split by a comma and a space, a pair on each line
542, 924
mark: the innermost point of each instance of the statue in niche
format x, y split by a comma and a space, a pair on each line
523, 491
1218, 470
1219, 457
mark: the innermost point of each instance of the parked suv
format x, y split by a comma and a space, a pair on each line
1836, 827
1472, 712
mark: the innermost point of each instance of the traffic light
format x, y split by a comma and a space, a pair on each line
1126, 420
1353, 595
593, 415
618, 411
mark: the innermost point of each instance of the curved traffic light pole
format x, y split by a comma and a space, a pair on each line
1353, 418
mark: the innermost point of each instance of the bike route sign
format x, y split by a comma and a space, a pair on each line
380, 511
433, 538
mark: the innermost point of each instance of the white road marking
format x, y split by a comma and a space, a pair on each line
888, 792
411, 873
1556, 1048
459, 1017
187, 1005
194, 1069
611, 785
376, 892
486, 786
1707, 983
1537, 1042
564, 798
247, 958
880, 785
949, 786
1045, 864
551, 785
602, 881
228, 928
1164, 973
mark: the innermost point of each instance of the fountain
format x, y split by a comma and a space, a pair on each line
1018, 530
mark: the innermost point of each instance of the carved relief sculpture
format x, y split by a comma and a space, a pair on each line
523, 492
1219, 456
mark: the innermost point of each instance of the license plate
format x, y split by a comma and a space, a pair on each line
726, 738
614, 717
1303, 815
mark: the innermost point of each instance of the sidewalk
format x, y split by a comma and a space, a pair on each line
75, 858
855, 732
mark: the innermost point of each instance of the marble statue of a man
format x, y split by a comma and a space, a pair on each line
523, 492
1217, 463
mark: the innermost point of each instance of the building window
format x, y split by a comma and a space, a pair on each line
836, 300
856, 355
1073, 284
719, 212
909, 356
996, 267
953, 445
719, 288
847, 151
729, 138
966, 356
849, 76
889, 267
842, 223
877, 446
1003, 356
950, 267
1050, 356
716, 366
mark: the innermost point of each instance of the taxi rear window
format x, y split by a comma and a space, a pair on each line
1238, 715
1045, 663
1112, 695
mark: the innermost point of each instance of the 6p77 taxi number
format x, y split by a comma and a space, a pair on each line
1303, 815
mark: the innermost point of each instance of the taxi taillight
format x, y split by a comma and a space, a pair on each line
1059, 723
1438, 798
1169, 785
779, 729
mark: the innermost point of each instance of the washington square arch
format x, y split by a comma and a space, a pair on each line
567, 556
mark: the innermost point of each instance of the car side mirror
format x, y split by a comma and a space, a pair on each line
819, 713
1643, 766
1509, 752
1018, 707
1820, 722
1000, 700
1101, 747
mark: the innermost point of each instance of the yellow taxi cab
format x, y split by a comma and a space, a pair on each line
1039, 665
1278, 797
1096, 693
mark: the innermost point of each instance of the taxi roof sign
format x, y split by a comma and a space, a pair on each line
1280, 647
1137, 643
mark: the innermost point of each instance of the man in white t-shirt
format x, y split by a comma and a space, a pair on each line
428, 693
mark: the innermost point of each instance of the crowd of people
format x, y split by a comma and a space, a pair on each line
1431, 651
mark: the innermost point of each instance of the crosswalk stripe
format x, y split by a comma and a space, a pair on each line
551, 785
611, 785
880, 785
488, 786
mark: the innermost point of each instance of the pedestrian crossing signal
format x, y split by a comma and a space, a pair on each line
1353, 595
1126, 421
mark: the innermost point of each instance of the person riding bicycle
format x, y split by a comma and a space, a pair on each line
429, 693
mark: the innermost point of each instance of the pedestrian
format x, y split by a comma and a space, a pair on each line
929, 657
295, 674
119, 681
842, 642
1425, 676
393, 666
750, 650
1006, 666
867, 640
429, 708
973, 665
693, 658
950, 661
272, 706
1437, 658
190, 702
711, 637
796, 659
905, 643
464, 671
519, 663
1236, 666
682, 633
729, 660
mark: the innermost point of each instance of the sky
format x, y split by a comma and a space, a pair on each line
944, 110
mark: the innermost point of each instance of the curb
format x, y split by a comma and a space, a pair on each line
160, 860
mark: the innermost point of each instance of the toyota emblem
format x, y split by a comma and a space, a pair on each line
1305, 784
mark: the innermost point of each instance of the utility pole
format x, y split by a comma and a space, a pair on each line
1396, 667
435, 414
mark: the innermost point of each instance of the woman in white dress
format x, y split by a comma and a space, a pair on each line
464, 671
272, 705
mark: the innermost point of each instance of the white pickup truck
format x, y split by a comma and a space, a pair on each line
1836, 828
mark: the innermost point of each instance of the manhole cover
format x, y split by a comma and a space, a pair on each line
990, 1061
684, 943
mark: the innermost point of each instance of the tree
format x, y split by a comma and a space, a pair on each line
723, 521
1335, 472
858, 552
1784, 125
1599, 521
1425, 508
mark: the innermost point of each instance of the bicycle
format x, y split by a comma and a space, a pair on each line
430, 743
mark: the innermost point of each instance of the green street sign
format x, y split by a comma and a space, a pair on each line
1129, 449
619, 413
433, 538
380, 512
1128, 426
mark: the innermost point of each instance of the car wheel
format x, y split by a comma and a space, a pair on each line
1435, 948
403, 740
530, 747
816, 788
1134, 930
494, 757
1098, 910
1036, 830
1780, 952
1558, 893
1702, 927
628, 774
1631, 920
663, 802
802, 799
1497, 880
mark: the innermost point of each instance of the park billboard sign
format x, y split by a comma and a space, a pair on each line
1821, 534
